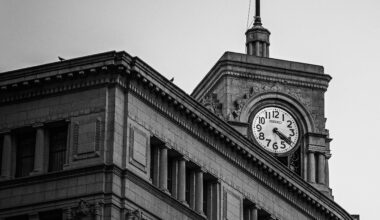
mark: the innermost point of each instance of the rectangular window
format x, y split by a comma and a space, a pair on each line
57, 148
211, 196
25, 142
50, 215
190, 187
170, 175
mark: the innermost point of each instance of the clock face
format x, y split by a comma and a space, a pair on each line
275, 130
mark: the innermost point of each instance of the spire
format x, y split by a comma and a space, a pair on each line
257, 37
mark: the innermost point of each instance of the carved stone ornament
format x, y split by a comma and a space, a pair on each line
240, 103
212, 103
83, 208
134, 215
257, 88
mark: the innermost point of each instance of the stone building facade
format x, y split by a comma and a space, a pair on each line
107, 137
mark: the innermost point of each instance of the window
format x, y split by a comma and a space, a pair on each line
57, 148
171, 175
25, 142
52, 214
190, 186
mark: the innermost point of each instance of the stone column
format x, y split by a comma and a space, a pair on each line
264, 50
254, 213
39, 149
257, 48
164, 169
6, 166
199, 191
321, 168
311, 167
182, 180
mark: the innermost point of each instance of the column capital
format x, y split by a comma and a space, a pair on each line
202, 169
5, 131
37, 125
272, 217
165, 146
185, 158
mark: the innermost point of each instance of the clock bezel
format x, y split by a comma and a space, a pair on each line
290, 111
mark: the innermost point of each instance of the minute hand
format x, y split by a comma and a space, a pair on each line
282, 136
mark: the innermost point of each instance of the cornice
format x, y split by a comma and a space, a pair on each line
21, 79
221, 130
287, 73
20, 89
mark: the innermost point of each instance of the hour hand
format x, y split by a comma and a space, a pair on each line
282, 136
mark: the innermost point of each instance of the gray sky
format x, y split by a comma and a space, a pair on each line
184, 39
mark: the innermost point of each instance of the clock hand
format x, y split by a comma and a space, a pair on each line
282, 136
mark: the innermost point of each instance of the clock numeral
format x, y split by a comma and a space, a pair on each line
268, 142
290, 124
262, 120
267, 115
292, 134
275, 114
259, 128
283, 146
283, 117
275, 146
261, 136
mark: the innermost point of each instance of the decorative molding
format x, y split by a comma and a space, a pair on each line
85, 146
132, 148
261, 75
212, 103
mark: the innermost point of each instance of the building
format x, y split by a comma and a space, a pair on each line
107, 137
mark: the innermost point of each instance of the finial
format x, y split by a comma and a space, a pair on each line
257, 15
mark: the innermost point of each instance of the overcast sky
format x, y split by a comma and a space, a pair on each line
184, 39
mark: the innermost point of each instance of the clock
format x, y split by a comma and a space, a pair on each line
275, 129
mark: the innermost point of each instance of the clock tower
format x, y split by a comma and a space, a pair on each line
277, 104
